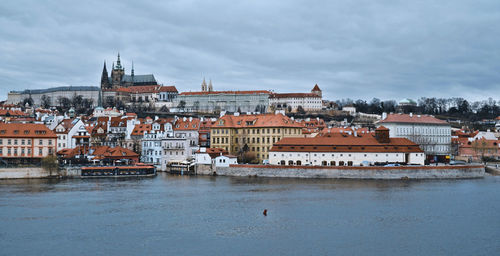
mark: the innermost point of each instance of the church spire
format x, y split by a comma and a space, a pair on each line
204, 86
210, 87
104, 77
118, 62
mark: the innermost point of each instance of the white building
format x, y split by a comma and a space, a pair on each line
346, 151
433, 135
152, 148
53, 94
65, 131
224, 160
292, 101
175, 150
188, 128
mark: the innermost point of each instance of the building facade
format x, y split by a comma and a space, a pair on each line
346, 151
252, 134
292, 102
52, 95
119, 79
27, 143
433, 135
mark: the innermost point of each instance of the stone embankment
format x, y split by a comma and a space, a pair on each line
24, 173
352, 172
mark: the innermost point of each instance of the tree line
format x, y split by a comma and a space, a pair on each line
452, 107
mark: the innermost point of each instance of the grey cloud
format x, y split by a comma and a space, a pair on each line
356, 49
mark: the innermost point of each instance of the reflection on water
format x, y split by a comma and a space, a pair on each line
223, 215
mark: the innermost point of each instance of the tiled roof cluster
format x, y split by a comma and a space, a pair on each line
260, 120
29, 130
186, 124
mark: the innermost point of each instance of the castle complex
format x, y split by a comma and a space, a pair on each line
119, 79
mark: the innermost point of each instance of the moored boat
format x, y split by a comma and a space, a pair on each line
118, 171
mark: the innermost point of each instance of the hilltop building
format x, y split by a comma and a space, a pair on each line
52, 95
294, 101
119, 79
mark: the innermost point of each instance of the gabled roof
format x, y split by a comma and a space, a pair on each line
140, 129
14, 130
185, 125
316, 88
261, 120
168, 89
405, 118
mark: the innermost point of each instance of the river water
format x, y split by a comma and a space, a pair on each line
180, 215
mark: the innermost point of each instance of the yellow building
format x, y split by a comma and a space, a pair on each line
255, 134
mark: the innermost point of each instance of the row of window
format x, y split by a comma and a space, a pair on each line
22, 142
259, 131
22, 151
217, 140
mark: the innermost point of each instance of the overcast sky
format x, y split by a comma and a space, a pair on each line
356, 49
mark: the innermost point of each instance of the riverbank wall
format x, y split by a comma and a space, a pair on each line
351, 172
24, 173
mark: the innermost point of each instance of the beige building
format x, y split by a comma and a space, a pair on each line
252, 134
26, 143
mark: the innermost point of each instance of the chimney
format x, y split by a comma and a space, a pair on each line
190, 119
384, 116
184, 119
382, 134
411, 114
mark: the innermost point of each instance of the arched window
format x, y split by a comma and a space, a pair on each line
299, 162
324, 163
290, 162
332, 163
349, 163
282, 162
341, 163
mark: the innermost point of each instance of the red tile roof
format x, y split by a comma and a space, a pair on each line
316, 88
185, 125
140, 89
294, 95
10, 112
140, 129
262, 120
226, 92
366, 143
168, 89
405, 118
29, 130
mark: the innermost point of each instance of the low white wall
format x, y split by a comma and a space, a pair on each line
402, 172
23, 173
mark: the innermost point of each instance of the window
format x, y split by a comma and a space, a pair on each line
9, 142
29, 151
40, 151
40, 142
1, 141
15, 142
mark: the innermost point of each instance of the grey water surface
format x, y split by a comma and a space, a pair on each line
181, 215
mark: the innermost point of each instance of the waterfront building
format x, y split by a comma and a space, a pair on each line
367, 149
98, 155
152, 150
188, 127
175, 150
27, 143
51, 96
294, 101
254, 134
433, 135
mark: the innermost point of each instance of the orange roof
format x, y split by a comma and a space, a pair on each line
214, 152
10, 112
344, 144
405, 118
226, 92
139, 129
140, 89
316, 88
293, 95
261, 120
12, 130
182, 125
168, 89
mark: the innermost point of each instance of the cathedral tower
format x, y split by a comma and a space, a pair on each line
117, 73
104, 78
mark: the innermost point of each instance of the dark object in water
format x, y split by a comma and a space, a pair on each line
265, 212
